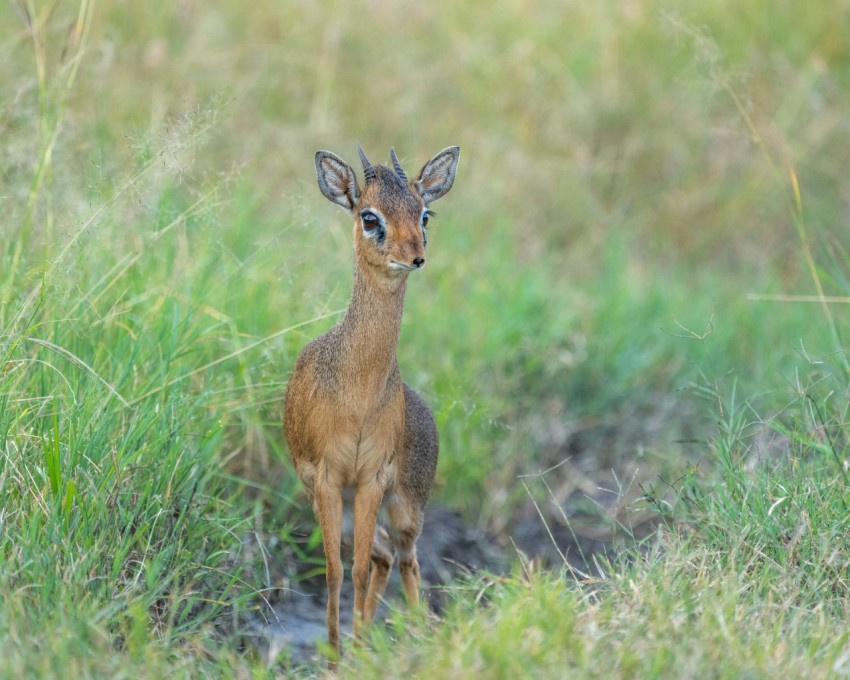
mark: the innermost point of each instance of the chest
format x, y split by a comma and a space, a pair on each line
359, 434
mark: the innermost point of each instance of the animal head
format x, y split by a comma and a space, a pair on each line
390, 212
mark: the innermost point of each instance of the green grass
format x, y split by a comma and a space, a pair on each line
635, 179
666, 617
748, 579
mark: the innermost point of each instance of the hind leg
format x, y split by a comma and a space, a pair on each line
408, 565
382, 563
405, 525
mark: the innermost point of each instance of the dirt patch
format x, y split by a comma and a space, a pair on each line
583, 510
290, 622
588, 502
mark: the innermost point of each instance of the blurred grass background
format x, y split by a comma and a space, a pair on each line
633, 176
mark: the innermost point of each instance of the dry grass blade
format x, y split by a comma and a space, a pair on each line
234, 354
74, 359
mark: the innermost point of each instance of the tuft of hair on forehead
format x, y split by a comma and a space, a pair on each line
389, 177
389, 190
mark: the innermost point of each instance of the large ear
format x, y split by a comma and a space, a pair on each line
337, 180
438, 175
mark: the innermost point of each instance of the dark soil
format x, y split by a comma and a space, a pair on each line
290, 624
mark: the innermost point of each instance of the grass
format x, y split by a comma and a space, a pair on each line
643, 194
748, 581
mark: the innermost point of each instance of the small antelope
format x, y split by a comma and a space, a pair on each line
359, 437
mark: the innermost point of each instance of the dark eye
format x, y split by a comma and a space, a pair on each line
425, 216
370, 220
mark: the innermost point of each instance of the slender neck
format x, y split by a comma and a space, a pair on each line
372, 324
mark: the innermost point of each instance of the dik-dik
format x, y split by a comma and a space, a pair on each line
360, 438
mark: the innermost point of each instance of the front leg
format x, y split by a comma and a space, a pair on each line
382, 563
367, 505
327, 506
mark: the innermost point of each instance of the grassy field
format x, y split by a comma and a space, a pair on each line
641, 276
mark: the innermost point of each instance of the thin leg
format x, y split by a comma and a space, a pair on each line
382, 564
408, 565
328, 509
367, 504
405, 524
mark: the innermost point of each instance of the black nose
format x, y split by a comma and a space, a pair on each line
418, 262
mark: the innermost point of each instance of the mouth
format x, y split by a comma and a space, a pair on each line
403, 267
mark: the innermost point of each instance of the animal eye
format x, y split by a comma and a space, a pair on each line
370, 220
425, 217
